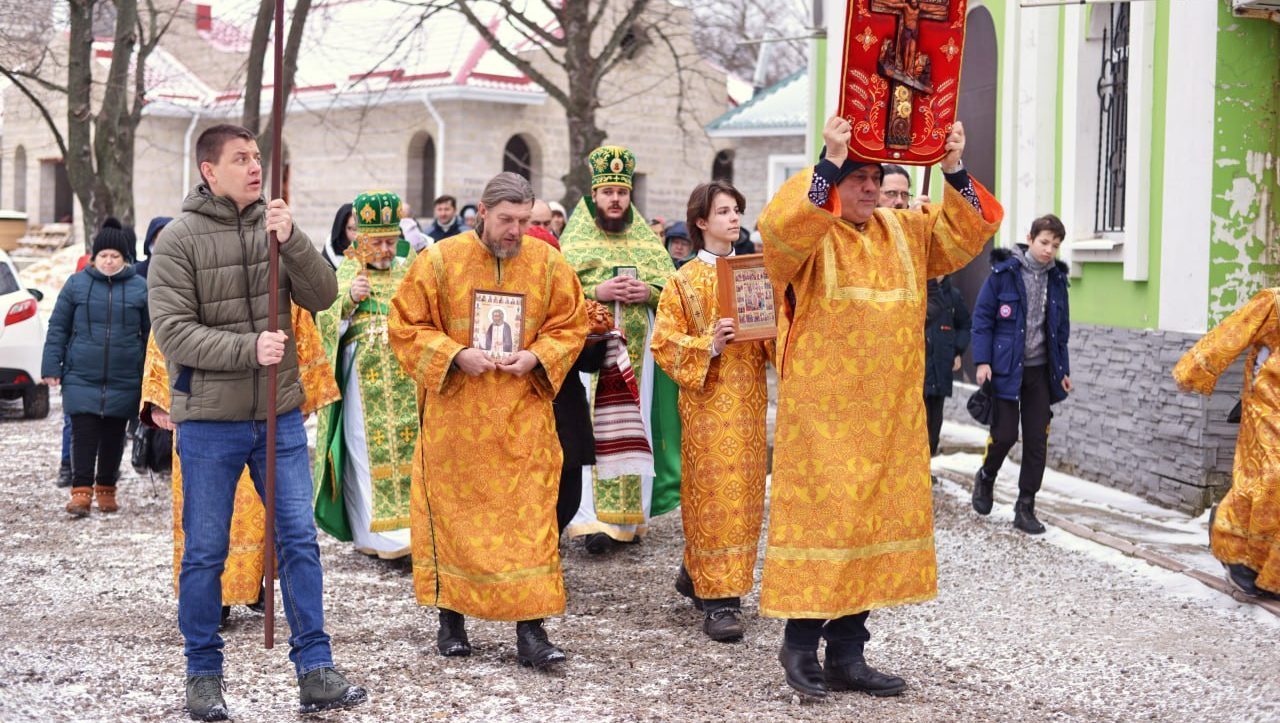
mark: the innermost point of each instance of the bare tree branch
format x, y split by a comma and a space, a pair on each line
522, 64
40, 107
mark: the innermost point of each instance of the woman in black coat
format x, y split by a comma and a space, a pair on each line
95, 348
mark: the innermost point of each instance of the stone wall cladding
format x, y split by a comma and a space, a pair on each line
1127, 425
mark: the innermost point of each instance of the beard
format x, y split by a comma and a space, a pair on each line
496, 248
611, 225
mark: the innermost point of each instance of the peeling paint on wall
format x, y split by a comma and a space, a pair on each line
1244, 254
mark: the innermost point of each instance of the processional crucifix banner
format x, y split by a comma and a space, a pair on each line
900, 79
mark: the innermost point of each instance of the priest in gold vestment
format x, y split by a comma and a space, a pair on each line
851, 516
242, 574
1245, 529
723, 401
487, 462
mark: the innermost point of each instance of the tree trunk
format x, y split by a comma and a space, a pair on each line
250, 117
258, 58
79, 159
115, 126
580, 112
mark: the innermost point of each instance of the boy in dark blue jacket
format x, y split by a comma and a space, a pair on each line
1020, 330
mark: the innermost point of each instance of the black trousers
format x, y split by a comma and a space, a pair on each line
1033, 411
933, 407
99, 440
845, 636
570, 494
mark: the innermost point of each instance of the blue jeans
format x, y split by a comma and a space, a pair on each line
66, 438
213, 455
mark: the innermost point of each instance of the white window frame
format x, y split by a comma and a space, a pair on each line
1129, 248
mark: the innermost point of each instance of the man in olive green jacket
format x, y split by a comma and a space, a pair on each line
208, 284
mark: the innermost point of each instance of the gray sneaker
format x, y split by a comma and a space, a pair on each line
327, 689
204, 698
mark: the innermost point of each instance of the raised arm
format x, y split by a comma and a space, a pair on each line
1200, 367
799, 216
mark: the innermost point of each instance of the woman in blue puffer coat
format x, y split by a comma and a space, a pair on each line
1021, 326
95, 348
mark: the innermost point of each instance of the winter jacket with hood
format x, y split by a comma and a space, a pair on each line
97, 341
209, 299
153, 230
1000, 326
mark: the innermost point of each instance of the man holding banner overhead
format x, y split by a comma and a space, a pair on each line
852, 524
851, 520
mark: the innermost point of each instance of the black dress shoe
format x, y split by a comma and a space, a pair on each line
451, 640
1024, 517
684, 586
803, 672
533, 650
857, 675
983, 490
724, 624
1244, 579
597, 543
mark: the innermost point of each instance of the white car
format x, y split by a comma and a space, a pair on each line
21, 343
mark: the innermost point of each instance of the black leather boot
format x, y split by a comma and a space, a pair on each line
64, 475
684, 586
451, 641
533, 650
1024, 516
983, 490
857, 675
802, 670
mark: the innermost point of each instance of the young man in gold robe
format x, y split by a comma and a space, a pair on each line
242, 573
1244, 532
851, 520
487, 462
723, 400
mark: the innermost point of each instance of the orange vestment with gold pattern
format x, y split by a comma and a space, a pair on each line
851, 513
487, 461
1246, 528
242, 575
723, 401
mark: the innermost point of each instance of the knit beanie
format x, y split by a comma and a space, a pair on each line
113, 237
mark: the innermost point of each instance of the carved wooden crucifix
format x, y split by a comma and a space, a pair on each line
907, 69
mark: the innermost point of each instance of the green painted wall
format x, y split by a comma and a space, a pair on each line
1246, 218
1101, 295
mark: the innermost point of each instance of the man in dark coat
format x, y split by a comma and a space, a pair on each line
946, 337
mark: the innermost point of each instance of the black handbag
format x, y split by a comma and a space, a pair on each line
979, 404
152, 450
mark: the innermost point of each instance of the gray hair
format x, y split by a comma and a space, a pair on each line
504, 187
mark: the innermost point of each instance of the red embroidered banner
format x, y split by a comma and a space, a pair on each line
900, 79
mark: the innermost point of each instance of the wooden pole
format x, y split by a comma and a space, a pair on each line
273, 311
928, 176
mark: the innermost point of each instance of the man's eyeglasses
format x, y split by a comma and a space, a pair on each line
904, 195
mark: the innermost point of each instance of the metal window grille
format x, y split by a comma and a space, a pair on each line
1113, 119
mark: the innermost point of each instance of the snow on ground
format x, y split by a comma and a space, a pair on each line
1023, 629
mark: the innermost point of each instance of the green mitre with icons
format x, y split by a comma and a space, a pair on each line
611, 166
378, 214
